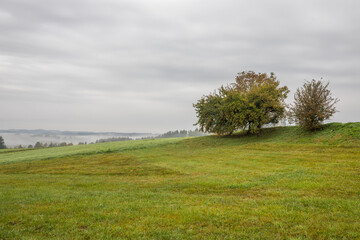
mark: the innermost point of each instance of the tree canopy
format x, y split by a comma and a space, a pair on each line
255, 99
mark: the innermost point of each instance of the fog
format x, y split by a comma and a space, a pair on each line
25, 139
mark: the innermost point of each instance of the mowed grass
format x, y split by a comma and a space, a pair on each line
283, 184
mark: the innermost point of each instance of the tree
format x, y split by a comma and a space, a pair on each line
2, 143
265, 98
53, 144
208, 112
38, 145
313, 105
255, 99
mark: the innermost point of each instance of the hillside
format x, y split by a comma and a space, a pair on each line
332, 134
282, 184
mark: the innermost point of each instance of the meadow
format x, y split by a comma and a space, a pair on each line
282, 184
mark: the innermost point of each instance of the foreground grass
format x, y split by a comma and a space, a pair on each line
285, 184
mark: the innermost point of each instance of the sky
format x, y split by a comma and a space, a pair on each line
139, 65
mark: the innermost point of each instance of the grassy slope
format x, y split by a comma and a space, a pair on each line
23, 155
284, 184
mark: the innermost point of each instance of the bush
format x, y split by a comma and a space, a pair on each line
313, 104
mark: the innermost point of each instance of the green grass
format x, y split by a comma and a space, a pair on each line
283, 184
21, 155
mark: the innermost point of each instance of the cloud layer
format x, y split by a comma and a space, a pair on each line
139, 65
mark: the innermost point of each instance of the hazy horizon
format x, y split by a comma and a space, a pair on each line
138, 66
13, 138
25, 139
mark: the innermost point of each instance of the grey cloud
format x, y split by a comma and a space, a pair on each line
139, 65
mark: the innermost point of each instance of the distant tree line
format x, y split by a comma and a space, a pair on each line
47, 145
169, 134
113, 139
181, 133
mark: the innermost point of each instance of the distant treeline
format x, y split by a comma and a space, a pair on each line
169, 134
113, 139
182, 133
45, 145
63, 144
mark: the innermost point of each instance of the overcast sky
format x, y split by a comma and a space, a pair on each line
139, 65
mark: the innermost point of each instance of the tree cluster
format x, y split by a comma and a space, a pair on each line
113, 139
181, 133
257, 99
46, 145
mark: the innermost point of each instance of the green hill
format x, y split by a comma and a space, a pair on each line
282, 184
331, 134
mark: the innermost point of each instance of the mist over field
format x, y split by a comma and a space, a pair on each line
14, 138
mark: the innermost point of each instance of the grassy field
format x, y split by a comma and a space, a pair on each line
283, 184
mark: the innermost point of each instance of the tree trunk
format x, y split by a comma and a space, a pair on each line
249, 130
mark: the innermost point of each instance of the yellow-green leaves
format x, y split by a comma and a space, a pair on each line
253, 100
